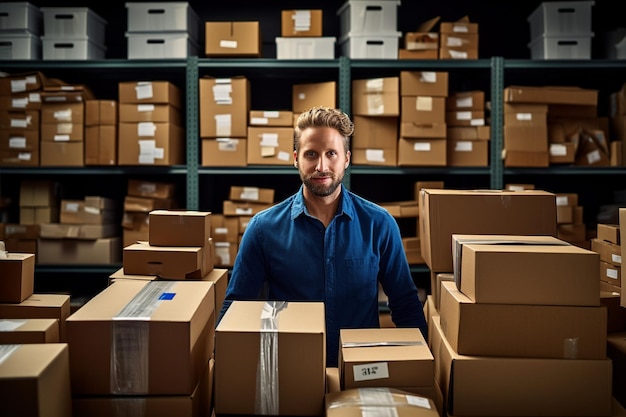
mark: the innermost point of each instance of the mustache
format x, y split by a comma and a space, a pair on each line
322, 175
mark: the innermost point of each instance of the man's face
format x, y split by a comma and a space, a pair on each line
322, 160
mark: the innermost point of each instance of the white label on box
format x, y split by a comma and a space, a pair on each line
64, 128
243, 211
92, 210
421, 147
145, 107
477, 122
259, 121
63, 115
611, 273
19, 103
222, 91
302, 20
375, 104
463, 146
616, 258
418, 401
17, 142
18, 86
374, 85
453, 41
270, 114
19, 122
146, 147
10, 325
34, 97
283, 156
146, 129
465, 102
428, 77
460, 28
458, 54
220, 230
593, 156
159, 153
557, 149
71, 207
562, 200
464, 115
250, 193
268, 151
223, 124
228, 44
143, 90
24, 156
515, 188
224, 144
370, 371
375, 155
61, 138
523, 116
223, 252
269, 139
424, 103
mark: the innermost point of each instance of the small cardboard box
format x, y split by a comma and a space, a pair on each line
40, 306
386, 401
170, 325
388, 357
179, 228
305, 22
17, 276
254, 194
154, 92
424, 83
234, 39
35, 380
167, 262
21, 331
296, 383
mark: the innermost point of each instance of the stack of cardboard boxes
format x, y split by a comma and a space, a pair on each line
301, 36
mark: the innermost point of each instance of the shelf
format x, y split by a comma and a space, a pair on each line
556, 170
374, 170
114, 170
77, 269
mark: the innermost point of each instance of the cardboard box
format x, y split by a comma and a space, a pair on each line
493, 386
466, 100
152, 92
375, 132
150, 143
390, 357
224, 228
531, 212
270, 146
33, 330
609, 252
424, 83
105, 251
235, 39
179, 228
18, 276
254, 194
376, 97
417, 130
423, 109
525, 331
78, 231
467, 153
551, 95
146, 204
101, 145
308, 95
170, 350
219, 152
151, 189
303, 22
422, 152
101, 112
224, 107
271, 118
609, 233
167, 262
352, 402
40, 306
35, 380
62, 154
134, 113
290, 386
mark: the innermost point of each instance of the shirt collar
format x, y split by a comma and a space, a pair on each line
346, 206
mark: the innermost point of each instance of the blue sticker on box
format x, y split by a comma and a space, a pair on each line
166, 296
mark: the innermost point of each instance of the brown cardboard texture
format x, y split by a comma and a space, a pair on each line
22, 331
242, 39
179, 228
17, 276
297, 380
386, 401
171, 325
167, 262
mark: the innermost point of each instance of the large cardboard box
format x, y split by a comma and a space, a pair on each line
40, 306
179, 228
197, 404
530, 274
291, 383
17, 276
385, 401
518, 330
35, 380
224, 107
500, 386
21, 331
142, 337
388, 357
447, 211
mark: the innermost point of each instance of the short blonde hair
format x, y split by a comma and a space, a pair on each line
324, 117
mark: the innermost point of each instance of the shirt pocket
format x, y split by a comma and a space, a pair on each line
362, 271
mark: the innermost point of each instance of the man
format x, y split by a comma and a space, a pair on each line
325, 243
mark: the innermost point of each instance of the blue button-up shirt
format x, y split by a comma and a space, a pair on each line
286, 254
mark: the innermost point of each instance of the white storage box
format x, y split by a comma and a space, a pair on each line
163, 17
368, 17
370, 46
160, 45
305, 48
23, 45
65, 48
73, 22
561, 18
20, 16
561, 47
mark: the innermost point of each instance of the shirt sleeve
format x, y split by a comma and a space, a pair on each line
397, 282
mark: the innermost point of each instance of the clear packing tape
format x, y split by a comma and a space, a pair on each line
130, 339
379, 401
267, 388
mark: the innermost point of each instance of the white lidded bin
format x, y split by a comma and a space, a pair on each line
561, 18
160, 45
163, 17
23, 45
55, 48
20, 16
368, 16
370, 46
305, 47
561, 47
74, 23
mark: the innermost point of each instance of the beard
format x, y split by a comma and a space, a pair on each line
322, 190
